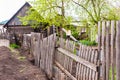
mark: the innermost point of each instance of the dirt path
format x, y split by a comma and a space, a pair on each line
15, 67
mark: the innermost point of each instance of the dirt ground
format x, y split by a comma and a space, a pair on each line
13, 66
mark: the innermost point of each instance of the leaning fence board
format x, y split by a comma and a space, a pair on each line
78, 59
65, 71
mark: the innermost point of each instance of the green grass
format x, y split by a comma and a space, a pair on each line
14, 46
22, 58
88, 43
110, 73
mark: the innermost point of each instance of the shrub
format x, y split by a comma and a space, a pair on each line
75, 34
88, 43
14, 46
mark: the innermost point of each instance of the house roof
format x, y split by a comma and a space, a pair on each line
3, 22
14, 20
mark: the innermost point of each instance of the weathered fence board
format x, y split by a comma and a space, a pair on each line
112, 48
118, 51
109, 49
103, 51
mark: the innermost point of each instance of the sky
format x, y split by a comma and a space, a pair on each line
9, 7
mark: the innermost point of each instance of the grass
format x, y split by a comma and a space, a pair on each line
88, 43
14, 46
110, 73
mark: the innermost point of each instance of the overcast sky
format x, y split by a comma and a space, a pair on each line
9, 7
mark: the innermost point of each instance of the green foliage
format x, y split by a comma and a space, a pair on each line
74, 31
51, 12
22, 58
58, 13
113, 14
88, 43
64, 35
14, 46
75, 34
92, 11
33, 18
75, 51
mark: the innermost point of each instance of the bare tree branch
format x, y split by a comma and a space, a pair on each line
85, 10
94, 8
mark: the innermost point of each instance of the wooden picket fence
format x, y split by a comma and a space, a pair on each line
64, 62
43, 52
109, 48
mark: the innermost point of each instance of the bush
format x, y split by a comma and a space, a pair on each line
75, 34
14, 46
88, 43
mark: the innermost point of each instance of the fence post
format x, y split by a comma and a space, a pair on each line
99, 49
103, 51
118, 51
113, 48
107, 50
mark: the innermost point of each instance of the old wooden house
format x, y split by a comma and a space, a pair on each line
15, 27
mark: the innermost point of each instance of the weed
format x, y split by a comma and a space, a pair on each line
14, 46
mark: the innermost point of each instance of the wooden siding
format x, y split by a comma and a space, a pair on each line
20, 30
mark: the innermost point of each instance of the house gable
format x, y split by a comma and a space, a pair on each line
20, 13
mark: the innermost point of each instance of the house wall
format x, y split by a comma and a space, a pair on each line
16, 33
20, 29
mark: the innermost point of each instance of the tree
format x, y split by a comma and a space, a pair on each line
33, 18
52, 12
112, 14
94, 11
